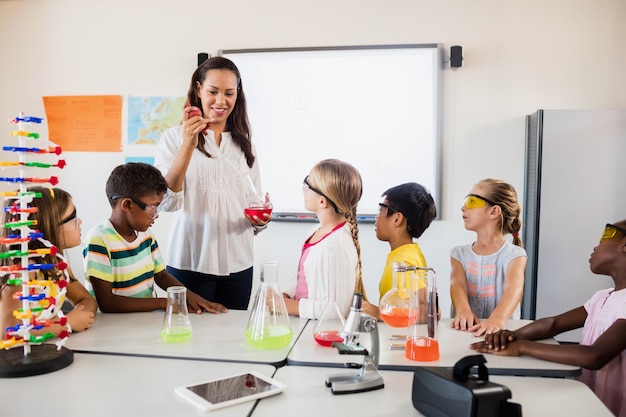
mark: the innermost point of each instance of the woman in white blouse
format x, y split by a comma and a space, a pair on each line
208, 162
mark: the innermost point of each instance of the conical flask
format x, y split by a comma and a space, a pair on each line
331, 321
268, 325
421, 343
394, 304
176, 324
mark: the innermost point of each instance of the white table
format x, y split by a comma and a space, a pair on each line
111, 385
217, 337
307, 395
453, 345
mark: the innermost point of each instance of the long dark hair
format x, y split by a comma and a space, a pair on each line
237, 121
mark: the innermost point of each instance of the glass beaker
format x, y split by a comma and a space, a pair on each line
394, 304
268, 325
257, 203
421, 343
176, 325
331, 321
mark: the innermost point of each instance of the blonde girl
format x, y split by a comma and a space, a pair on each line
332, 191
487, 276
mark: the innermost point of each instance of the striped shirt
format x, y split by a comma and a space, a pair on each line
129, 266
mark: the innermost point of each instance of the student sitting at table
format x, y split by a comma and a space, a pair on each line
405, 213
487, 276
332, 191
121, 255
602, 348
57, 220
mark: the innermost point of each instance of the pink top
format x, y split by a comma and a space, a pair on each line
302, 290
604, 309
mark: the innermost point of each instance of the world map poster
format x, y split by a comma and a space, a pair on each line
149, 117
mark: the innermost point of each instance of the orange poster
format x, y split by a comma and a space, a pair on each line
85, 123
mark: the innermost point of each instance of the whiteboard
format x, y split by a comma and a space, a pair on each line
376, 107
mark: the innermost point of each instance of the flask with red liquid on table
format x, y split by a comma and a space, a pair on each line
331, 321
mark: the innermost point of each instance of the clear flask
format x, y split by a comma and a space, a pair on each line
421, 343
256, 202
331, 321
394, 304
269, 326
176, 325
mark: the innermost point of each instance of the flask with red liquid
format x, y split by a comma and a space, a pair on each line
421, 343
257, 204
331, 321
394, 304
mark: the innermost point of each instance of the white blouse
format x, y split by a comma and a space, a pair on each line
347, 268
209, 232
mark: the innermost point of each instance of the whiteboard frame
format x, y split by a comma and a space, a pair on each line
367, 214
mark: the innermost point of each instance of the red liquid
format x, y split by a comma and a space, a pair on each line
327, 338
422, 349
257, 211
398, 317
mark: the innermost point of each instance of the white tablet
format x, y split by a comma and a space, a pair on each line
231, 390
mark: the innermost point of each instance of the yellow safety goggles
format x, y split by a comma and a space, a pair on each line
610, 230
476, 201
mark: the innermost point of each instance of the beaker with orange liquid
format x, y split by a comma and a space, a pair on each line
394, 304
421, 343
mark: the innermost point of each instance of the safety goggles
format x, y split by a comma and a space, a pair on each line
70, 222
306, 184
476, 201
150, 209
610, 230
390, 210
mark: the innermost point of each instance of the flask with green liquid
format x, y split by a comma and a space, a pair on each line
268, 325
176, 324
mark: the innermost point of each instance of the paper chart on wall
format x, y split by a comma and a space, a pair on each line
85, 123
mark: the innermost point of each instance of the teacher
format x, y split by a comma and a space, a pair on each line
209, 164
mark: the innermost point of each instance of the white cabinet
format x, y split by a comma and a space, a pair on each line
575, 184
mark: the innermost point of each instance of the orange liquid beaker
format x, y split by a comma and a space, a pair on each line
397, 317
422, 349
422, 344
394, 304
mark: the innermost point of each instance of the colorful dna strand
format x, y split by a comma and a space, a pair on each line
40, 299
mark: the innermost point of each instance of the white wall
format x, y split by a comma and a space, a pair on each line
518, 57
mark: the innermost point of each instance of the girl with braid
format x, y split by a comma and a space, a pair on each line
487, 276
332, 191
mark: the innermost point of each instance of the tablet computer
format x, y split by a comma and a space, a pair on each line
230, 390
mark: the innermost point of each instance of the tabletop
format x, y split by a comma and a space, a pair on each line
307, 395
453, 345
112, 385
217, 337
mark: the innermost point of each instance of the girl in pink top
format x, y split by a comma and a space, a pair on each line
332, 191
601, 351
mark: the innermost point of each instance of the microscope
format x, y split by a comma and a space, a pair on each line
367, 378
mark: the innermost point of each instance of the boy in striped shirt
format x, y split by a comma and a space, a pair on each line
121, 255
